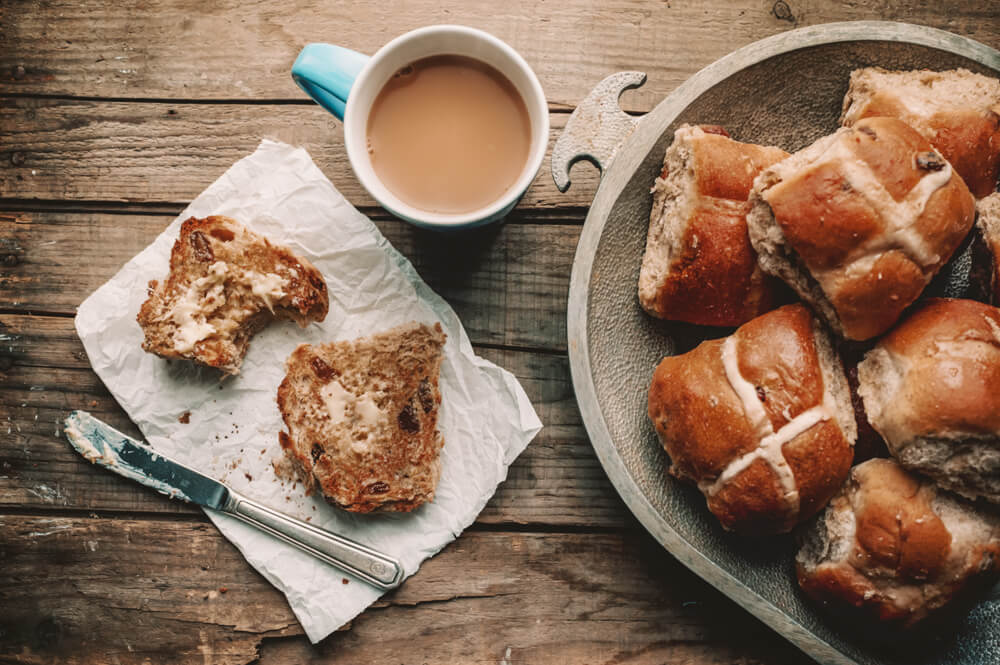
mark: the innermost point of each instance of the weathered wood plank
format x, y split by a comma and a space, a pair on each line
45, 374
131, 151
236, 50
489, 597
509, 284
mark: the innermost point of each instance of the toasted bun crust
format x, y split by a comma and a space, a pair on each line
761, 421
362, 418
893, 548
859, 222
931, 387
699, 266
956, 110
226, 283
988, 221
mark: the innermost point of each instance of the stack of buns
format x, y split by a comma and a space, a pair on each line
764, 421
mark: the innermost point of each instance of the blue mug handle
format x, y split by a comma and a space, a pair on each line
326, 73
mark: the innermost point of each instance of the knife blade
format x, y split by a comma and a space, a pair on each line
102, 444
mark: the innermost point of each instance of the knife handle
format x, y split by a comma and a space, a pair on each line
378, 569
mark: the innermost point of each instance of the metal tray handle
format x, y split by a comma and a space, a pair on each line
596, 129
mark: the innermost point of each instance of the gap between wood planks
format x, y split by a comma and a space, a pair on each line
533, 528
567, 216
554, 107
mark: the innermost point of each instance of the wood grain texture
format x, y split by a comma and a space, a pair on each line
83, 590
170, 152
556, 481
182, 49
509, 284
138, 106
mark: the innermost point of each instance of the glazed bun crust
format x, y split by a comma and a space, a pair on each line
988, 222
859, 222
761, 421
957, 111
892, 547
698, 265
931, 388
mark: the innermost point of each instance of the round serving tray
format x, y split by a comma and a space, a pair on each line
786, 91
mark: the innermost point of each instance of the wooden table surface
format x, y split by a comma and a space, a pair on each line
113, 115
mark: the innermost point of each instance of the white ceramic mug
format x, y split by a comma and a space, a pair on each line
346, 83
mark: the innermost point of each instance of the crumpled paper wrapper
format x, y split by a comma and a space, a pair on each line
232, 433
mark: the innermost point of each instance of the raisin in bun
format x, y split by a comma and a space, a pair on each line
699, 266
362, 418
859, 222
956, 110
225, 284
894, 548
931, 388
761, 421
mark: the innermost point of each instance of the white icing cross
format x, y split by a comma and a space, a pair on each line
770, 446
898, 215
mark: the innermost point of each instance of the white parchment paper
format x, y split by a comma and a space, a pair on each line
232, 435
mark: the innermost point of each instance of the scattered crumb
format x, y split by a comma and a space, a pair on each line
248, 477
93, 403
283, 468
344, 580
223, 589
184, 418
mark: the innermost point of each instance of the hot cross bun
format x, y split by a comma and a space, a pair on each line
894, 548
699, 266
859, 222
761, 421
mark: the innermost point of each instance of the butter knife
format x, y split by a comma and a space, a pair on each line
101, 444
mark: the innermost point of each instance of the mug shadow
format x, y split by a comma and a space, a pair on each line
449, 260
